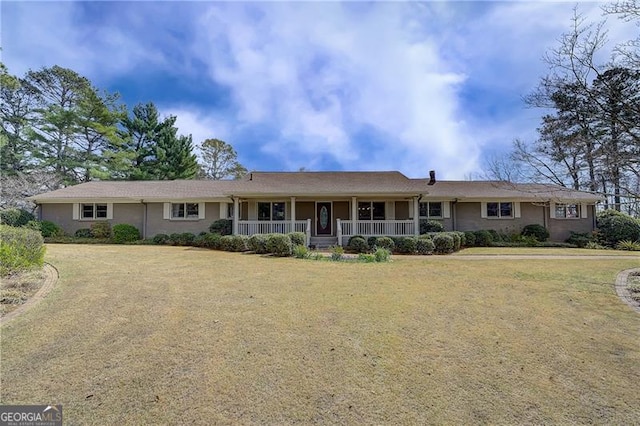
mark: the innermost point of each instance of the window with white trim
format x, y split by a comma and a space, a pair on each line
499, 210
431, 209
185, 211
271, 211
371, 210
93, 211
567, 211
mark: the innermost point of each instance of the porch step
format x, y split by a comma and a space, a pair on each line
323, 242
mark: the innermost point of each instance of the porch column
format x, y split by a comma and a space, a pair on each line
416, 216
354, 211
293, 214
236, 214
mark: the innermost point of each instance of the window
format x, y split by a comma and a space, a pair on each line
184, 211
567, 211
271, 211
94, 211
371, 210
431, 209
498, 210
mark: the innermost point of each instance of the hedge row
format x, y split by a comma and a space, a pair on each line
429, 243
20, 249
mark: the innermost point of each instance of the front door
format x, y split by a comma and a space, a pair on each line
323, 218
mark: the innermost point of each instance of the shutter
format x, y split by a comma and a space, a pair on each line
109, 211
224, 210
584, 210
483, 210
166, 211
446, 209
76, 211
552, 210
201, 211
516, 209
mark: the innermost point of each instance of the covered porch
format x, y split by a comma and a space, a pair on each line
331, 220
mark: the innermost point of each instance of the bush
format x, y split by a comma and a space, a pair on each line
382, 254
181, 239
366, 258
235, 243
279, 245
337, 252
424, 246
222, 227
430, 226
385, 243
457, 240
463, 238
211, 241
101, 230
539, 232
405, 245
470, 239
83, 233
301, 252
579, 239
443, 243
20, 249
125, 233
614, 226
298, 238
15, 217
358, 244
159, 239
257, 243
483, 238
50, 229
628, 245
371, 242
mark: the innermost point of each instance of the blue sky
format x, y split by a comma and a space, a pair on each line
322, 85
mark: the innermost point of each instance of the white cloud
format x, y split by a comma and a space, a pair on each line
200, 126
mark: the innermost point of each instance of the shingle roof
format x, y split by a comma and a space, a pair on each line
272, 184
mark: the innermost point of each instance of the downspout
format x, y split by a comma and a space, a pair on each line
453, 215
144, 220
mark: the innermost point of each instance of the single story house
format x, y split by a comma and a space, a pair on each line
328, 206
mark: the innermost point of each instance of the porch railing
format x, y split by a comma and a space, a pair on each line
250, 227
377, 227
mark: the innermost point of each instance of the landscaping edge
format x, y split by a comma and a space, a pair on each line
51, 277
623, 292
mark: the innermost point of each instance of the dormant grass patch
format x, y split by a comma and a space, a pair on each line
145, 334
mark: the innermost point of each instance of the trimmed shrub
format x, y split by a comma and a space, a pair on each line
235, 243
424, 246
358, 244
443, 243
385, 243
186, 239
20, 249
174, 239
15, 217
579, 239
614, 226
50, 229
297, 238
405, 245
457, 240
539, 232
430, 226
483, 238
83, 233
469, 239
257, 243
371, 242
158, 238
382, 254
301, 252
222, 227
279, 245
211, 241
125, 233
101, 230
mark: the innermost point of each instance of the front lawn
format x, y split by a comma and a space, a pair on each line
174, 335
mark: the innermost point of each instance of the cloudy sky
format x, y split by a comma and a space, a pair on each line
321, 85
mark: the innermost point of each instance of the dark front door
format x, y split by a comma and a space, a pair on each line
323, 219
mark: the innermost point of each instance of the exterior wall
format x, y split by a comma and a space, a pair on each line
305, 210
62, 215
468, 218
341, 210
156, 224
244, 210
560, 229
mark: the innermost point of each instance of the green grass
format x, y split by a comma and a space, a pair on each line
173, 335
